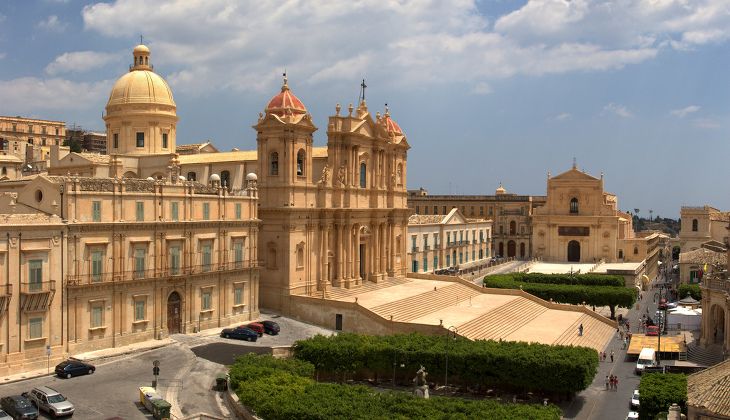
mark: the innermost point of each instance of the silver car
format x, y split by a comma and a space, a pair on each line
51, 401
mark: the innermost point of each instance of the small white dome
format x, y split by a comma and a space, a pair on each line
149, 178
182, 178
214, 178
251, 177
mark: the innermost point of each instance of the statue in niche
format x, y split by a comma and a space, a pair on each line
325, 178
341, 174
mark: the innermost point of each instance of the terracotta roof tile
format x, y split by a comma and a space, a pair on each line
710, 389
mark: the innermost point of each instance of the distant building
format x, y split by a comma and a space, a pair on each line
18, 133
702, 224
448, 241
90, 141
197, 148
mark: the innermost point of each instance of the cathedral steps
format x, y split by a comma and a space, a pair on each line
596, 334
502, 321
339, 293
414, 307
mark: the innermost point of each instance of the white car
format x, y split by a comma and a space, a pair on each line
635, 399
5, 416
633, 415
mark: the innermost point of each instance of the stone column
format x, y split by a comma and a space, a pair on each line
338, 255
347, 233
356, 251
383, 248
391, 240
375, 252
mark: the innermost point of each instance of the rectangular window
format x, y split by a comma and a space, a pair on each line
436, 244
174, 260
207, 257
238, 253
139, 262
206, 301
435, 210
414, 269
140, 139
418, 210
448, 238
174, 213
140, 211
473, 255
35, 327
97, 262
481, 211
425, 241
164, 140
97, 316
413, 243
238, 211
96, 211
206, 211
139, 310
35, 275
461, 257
238, 295
443, 210
435, 262
116, 141
448, 261
425, 264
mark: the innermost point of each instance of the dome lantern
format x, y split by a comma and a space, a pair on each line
285, 102
141, 58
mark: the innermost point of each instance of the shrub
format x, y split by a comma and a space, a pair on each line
275, 389
659, 391
690, 290
482, 363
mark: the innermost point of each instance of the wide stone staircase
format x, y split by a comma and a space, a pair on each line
416, 306
596, 333
502, 321
339, 293
704, 356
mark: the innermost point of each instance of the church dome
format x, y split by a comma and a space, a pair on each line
391, 126
141, 85
285, 101
500, 190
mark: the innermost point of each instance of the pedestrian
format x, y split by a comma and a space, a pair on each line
625, 343
608, 381
580, 330
615, 383
603, 353
621, 335
611, 355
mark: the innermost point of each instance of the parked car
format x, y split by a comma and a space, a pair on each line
633, 415
271, 327
5, 416
51, 401
256, 326
662, 303
71, 367
18, 407
635, 399
652, 330
240, 333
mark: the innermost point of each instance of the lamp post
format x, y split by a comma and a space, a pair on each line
448, 335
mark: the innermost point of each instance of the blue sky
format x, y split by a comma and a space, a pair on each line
486, 91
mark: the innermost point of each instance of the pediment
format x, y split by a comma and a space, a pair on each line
574, 174
454, 217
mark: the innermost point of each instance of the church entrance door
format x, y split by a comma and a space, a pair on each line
174, 317
511, 249
363, 258
573, 251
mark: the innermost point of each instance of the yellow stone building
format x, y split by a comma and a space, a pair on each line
702, 224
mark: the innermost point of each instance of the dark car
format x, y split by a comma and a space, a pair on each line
256, 326
19, 407
71, 368
271, 327
240, 333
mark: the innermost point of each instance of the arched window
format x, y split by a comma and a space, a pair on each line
363, 175
694, 225
574, 205
192, 176
226, 179
300, 162
300, 255
399, 175
274, 164
636, 250
513, 228
620, 254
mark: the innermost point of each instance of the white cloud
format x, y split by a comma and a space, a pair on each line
482, 88
563, 116
244, 46
706, 123
53, 24
683, 112
619, 110
29, 94
80, 61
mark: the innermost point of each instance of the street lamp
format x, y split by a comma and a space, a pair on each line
448, 335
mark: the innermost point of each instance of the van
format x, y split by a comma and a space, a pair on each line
646, 359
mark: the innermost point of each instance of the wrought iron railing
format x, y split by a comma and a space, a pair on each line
37, 287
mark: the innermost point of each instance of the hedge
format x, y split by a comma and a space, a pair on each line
657, 392
280, 389
593, 289
691, 290
505, 365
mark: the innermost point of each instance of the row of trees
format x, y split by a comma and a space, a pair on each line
591, 289
657, 392
284, 389
481, 364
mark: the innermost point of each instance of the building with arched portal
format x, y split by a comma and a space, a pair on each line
715, 327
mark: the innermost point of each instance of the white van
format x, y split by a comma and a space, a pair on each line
647, 358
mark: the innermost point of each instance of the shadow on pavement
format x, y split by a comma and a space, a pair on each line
225, 353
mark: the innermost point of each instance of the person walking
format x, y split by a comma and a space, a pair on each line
608, 381
615, 383
580, 330
612, 356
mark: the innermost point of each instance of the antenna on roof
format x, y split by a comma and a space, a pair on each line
575, 165
141, 39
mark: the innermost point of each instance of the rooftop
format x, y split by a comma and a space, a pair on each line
702, 256
710, 389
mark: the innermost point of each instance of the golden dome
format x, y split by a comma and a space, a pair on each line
500, 189
141, 85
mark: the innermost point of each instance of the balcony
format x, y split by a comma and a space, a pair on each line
167, 272
414, 249
5, 295
717, 284
37, 296
426, 247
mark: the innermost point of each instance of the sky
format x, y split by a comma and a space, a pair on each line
486, 91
